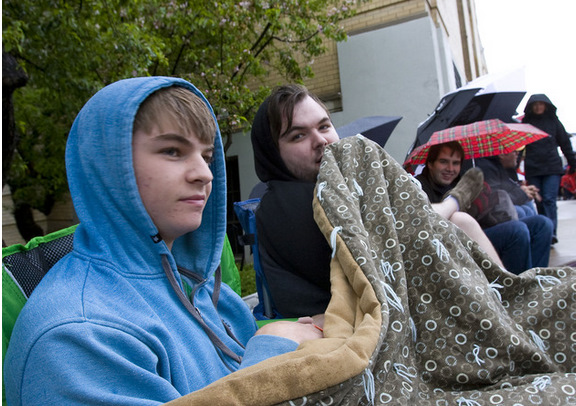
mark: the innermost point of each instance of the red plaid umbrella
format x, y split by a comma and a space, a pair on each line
481, 139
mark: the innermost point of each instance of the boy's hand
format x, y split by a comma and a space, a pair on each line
304, 329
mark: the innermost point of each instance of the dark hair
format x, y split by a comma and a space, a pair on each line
434, 151
281, 105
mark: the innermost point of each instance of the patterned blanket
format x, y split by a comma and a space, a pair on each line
419, 314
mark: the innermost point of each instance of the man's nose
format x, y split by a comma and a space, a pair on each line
319, 139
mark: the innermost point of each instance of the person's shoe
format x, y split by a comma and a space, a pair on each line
468, 188
554, 239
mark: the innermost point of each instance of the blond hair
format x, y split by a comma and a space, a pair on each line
182, 107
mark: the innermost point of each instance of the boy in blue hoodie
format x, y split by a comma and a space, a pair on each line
137, 314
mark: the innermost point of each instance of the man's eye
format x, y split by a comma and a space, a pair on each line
209, 159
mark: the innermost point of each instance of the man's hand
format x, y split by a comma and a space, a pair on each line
532, 192
305, 329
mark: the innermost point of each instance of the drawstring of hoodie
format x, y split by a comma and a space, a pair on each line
189, 305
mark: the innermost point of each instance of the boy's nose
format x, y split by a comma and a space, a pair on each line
199, 171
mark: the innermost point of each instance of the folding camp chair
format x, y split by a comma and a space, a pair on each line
246, 213
23, 267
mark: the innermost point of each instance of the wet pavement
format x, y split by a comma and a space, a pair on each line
564, 251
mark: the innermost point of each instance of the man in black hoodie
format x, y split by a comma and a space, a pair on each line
543, 165
294, 254
290, 131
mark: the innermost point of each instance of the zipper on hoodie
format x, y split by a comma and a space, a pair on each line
193, 310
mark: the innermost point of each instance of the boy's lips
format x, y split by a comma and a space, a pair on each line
195, 199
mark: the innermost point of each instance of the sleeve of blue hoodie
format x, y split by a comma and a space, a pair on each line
99, 364
274, 346
109, 324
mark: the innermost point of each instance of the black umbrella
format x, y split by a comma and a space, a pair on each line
376, 128
468, 106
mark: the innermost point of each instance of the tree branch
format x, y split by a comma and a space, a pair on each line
298, 40
239, 66
181, 51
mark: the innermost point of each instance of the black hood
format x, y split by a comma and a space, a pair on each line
267, 161
551, 110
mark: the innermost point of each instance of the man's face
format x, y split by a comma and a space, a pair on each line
509, 160
302, 145
446, 167
173, 177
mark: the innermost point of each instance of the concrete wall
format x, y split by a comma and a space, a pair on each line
390, 71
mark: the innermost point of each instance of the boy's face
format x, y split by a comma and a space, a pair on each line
173, 177
446, 167
302, 145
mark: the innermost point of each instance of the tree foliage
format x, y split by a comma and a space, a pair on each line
70, 49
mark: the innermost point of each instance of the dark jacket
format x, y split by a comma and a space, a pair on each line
541, 157
498, 178
294, 255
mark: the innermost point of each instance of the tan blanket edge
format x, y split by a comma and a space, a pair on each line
352, 329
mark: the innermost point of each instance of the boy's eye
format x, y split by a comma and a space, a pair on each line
209, 159
171, 151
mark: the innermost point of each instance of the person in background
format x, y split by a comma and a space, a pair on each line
568, 184
542, 163
511, 239
539, 227
136, 313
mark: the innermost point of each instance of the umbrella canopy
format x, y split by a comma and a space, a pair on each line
495, 95
466, 106
376, 128
481, 139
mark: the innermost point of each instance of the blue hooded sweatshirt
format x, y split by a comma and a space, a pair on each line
110, 323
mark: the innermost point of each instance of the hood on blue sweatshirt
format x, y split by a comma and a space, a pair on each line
114, 225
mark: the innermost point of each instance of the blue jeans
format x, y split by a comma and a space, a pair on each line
527, 209
522, 244
549, 186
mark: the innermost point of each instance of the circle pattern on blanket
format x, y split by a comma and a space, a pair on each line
457, 329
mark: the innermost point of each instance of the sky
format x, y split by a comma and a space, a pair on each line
538, 37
